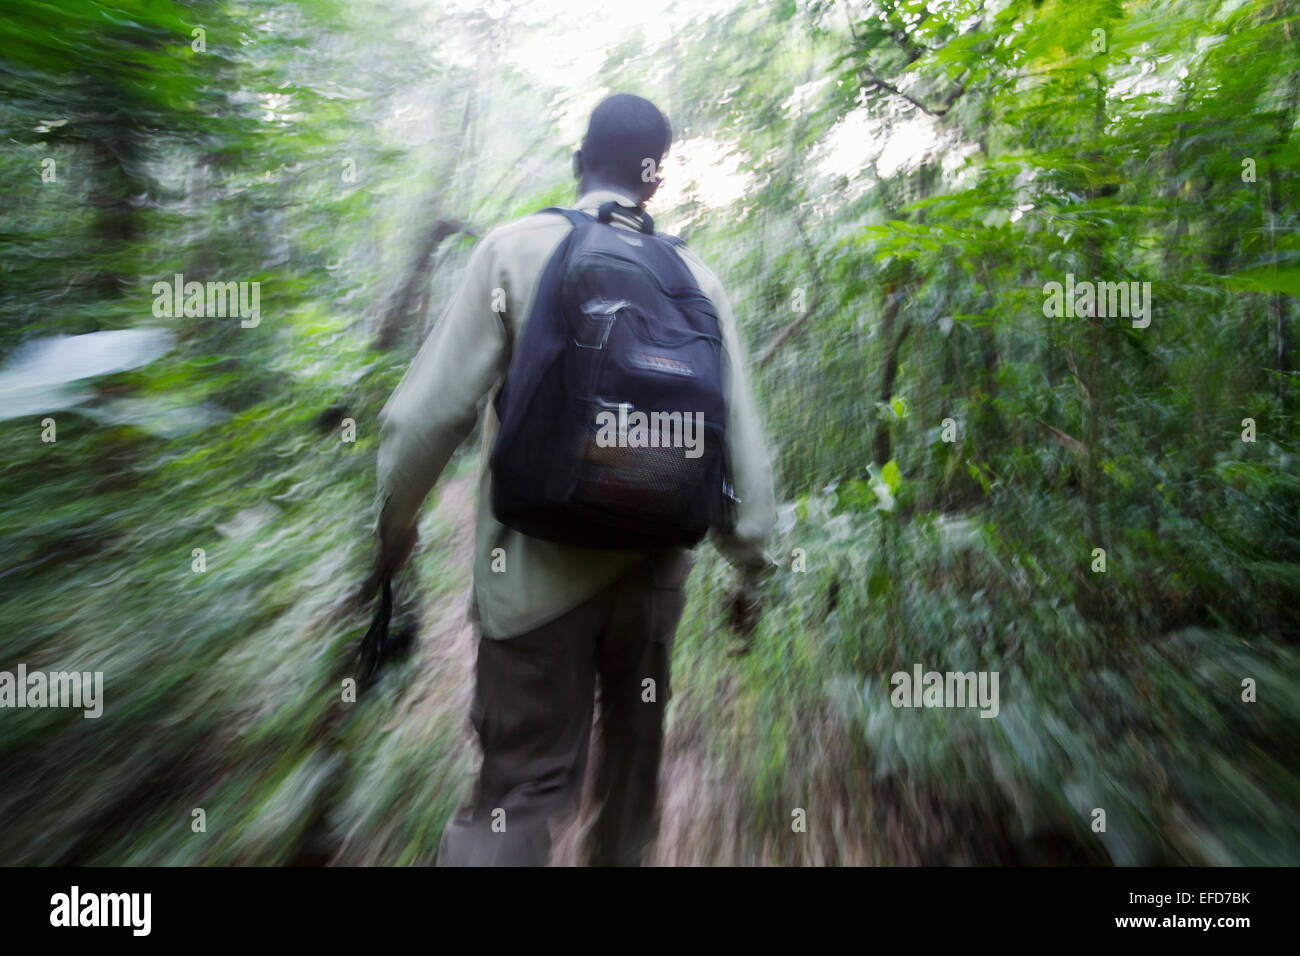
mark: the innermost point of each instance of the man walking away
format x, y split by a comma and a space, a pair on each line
557, 621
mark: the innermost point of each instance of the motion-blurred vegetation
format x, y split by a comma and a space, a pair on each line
885, 187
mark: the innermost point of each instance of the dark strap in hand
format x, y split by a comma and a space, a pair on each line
376, 639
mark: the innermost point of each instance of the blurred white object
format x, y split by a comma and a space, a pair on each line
39, 374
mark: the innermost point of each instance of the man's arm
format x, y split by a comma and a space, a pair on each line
744, 545
434, 407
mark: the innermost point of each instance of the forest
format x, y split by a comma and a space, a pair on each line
1019, 283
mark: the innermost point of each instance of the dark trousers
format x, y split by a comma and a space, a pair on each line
533, 705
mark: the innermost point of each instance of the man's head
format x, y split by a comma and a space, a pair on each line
627, 140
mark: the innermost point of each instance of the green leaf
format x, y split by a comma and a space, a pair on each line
891, 476
1267, 279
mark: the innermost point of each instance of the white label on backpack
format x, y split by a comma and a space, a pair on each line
661, 363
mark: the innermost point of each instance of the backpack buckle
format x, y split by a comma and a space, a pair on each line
606, 211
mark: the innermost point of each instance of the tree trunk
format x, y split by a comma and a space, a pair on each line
411, 294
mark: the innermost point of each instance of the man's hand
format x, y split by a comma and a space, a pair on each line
389, 557
744, 610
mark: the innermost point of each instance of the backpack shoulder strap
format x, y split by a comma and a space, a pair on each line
605, 213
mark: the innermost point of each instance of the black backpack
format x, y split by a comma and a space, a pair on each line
613, 413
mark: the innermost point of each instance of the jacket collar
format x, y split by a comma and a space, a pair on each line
593, 198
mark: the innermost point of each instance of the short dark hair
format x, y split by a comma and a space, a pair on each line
625, 131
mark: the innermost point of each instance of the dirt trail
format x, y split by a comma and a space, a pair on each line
692, 797
447, 636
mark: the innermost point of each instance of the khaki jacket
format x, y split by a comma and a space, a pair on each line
465, 358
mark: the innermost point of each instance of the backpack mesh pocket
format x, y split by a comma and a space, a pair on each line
653, 484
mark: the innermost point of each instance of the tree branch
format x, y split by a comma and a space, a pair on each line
936, 111
786, 332
794, 326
